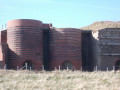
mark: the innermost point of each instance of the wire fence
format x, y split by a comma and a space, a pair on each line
26, 67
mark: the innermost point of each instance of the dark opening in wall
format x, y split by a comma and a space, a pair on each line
86, 50
117, 65
68, 65
27, 64
46, 49
1, 64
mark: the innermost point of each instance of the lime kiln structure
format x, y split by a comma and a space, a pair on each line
39, 45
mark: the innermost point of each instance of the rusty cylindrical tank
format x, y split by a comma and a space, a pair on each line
24, 38
65, 48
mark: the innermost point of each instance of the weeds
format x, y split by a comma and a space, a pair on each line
59, 80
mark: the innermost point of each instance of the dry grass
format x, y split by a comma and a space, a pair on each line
102, 25
59, 80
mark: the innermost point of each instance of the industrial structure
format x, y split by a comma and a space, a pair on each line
39, 45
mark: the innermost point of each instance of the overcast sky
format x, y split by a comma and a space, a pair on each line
61, 13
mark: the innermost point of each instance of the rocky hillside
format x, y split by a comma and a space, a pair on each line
101, 25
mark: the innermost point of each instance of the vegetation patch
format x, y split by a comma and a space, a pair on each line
59, 80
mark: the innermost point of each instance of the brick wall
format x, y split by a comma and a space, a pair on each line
3, 47
65, 45
25, 43
3, 36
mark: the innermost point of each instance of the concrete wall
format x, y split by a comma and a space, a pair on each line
107, 47
95, 50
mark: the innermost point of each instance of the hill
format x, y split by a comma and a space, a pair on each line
101, 25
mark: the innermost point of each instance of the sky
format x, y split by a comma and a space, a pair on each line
61, 13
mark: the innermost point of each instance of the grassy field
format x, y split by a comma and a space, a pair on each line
59, 80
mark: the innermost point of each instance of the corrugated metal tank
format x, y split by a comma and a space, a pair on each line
65, 48
24, 38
